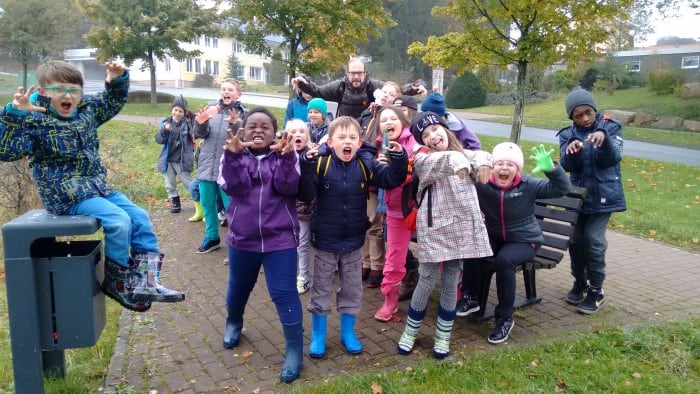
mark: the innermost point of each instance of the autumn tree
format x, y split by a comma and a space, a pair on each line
319, 35
520, 33
148, 30
31, 31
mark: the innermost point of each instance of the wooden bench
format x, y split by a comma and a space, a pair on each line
557, 218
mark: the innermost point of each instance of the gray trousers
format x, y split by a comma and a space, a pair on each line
171, 175
349, 295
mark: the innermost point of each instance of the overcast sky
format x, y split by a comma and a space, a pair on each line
685, 26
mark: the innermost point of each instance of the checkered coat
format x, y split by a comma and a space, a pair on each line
456, 229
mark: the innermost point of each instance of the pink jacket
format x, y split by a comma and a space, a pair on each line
392, 197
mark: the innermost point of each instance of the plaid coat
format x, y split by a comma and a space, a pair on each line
449, 223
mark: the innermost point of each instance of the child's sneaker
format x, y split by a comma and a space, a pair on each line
467, 305
501, 330
594, 300
209, 245
577, 293
303, 284
375, 279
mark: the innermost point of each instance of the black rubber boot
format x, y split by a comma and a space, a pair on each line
175, 208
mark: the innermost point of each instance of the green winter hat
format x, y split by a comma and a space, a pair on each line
319, 105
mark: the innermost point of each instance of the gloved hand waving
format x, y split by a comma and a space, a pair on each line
543, 159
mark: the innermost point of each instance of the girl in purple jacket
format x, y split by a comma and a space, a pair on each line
262, 178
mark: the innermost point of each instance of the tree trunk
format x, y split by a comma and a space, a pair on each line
519, 103
152, 69
24, 76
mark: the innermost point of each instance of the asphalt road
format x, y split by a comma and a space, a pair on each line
637, 149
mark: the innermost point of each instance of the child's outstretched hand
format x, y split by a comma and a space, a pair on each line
21, 101
234, 143
543, 159
206, 113
233, 116
114, 70
284, 145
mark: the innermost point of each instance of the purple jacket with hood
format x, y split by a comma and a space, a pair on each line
262, 209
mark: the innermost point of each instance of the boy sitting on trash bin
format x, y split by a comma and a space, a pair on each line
57, 129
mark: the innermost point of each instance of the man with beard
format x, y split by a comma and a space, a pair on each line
354, 92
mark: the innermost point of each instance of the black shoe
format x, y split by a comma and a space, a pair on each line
501, 330
467, 305
576, 294
594, 300
175, 207
365, 274
209, 245
375, 279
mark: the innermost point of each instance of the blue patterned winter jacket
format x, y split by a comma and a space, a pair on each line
63, 152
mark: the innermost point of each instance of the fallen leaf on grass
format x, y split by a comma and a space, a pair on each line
377, 388
535, 363
637, 375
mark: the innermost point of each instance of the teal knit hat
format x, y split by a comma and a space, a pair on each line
319, 105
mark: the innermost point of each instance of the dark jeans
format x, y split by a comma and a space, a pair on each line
508, 257
587, 249
280, 276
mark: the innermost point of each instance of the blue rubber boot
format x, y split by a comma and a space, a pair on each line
317, 347
347, 334
232, 332
294, 336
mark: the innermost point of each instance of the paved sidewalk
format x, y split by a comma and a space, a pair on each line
176, 348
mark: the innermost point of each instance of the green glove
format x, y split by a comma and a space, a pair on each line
543, 159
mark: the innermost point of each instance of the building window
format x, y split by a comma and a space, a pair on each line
207, 66
168, 67
237, 47
214, 42
197, 40
255, 74
197, 66
189, 66
207, 41
215, 69
634, 65
690, 62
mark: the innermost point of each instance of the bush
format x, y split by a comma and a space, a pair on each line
563, 80
664, 80
203, 81
488, 79
465, 92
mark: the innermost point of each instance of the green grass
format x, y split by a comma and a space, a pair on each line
664, 358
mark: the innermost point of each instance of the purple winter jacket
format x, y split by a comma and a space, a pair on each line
262, 209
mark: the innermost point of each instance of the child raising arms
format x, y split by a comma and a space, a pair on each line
262, 179
57, 129
449, 225
339, 183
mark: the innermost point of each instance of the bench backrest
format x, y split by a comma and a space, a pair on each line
557, 218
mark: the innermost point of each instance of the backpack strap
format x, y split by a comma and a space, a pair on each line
324, 162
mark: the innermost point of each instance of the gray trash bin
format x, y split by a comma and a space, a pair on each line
53, 294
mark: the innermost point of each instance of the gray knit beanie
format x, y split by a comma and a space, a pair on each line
577, 97
179, 102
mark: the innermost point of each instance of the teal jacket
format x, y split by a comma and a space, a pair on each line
63, 152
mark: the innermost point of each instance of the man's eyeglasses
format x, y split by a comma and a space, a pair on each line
61, 91
356, 72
